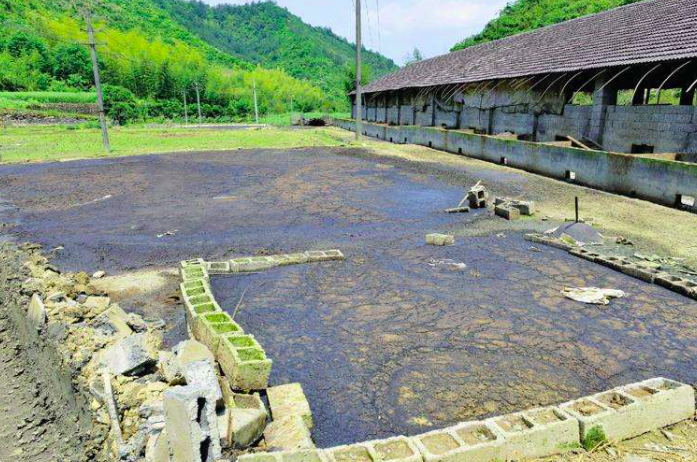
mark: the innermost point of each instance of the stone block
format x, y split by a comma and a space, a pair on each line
352, 453
247, 368
507, 212
633, 410
296, 259
248, 417
285, 400
398, 449
527, 208
190, 351
537, 433
616, 263
36, 313
208, 328
218, 267
329, 255
157, 449
440, 239
194, 284
202, 375
169, 367
192, 425
129, 356
288, 434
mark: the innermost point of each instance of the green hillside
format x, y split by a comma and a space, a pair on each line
264, 33
524, 15
152, 52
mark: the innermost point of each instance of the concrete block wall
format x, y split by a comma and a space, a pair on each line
666, 128
474, 118
574, 122
655, 180
518, 123
621, 413
447, 118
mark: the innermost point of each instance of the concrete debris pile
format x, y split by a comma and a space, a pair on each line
477, 196
512, 209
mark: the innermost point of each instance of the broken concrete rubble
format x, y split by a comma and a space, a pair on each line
130, 356
248, 416
478, 196
507, 212
592, 295
113, 321
36, 312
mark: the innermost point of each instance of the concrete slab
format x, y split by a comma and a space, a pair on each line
129, 356
285, 400
288, 434
36, 313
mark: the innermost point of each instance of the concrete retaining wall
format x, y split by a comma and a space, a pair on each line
660, 181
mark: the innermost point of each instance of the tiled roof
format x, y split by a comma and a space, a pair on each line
649, 31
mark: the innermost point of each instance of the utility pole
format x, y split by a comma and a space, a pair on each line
256, 106
198, 103
359, 72
186, 110
97, 82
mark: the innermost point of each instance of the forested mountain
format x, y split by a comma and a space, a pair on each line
266, 34
154, 51
524, 15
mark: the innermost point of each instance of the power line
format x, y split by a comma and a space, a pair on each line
377, 10
370, 27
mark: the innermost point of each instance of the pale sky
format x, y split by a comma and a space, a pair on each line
433, 26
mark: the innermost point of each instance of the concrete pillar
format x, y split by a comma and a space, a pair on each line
602, 99
433, 109
399, 107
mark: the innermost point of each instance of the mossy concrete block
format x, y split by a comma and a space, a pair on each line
440, 239
466, 442
247, 368
676, 284
303, 455
536, 433
195, 284
585, 254
208, 328
325, 255
398, 449
544, 240
352, 453
288, 434
297, 259
285, 400
632, 410
218, 267
191, 273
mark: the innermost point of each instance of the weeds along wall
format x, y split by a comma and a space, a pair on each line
661, 181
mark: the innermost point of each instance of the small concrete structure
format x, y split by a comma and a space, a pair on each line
247, 420
440, 239
507, 212
285, 400
247, 367
288, 434
208, 329
397, 449
304, 455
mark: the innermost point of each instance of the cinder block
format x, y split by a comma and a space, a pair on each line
208, 328
247, 368
537, 433
527, 208
615, 263
585, 254
192, 262
636, 271
507, 212
303, 455
466, 442
193, 272
440, 239
399, 449
251, 264
194, 283
247, 420
288, 434
633, 410
352, 453
676, 284
218, 267
289, 399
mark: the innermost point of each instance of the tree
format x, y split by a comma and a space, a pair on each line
72, 62
350, 77
413, 57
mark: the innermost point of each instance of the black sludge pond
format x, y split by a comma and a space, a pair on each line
389, 341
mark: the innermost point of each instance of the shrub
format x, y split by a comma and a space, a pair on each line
594, 438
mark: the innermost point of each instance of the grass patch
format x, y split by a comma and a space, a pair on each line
50, 97
594, 438
36, 143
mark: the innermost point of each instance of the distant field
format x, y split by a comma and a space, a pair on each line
35, 143
50, 97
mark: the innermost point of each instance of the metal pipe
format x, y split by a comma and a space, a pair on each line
612, 79
561, 93
643, 78
586, 83
658, 100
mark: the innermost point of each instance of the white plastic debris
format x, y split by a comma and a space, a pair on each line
592, 295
